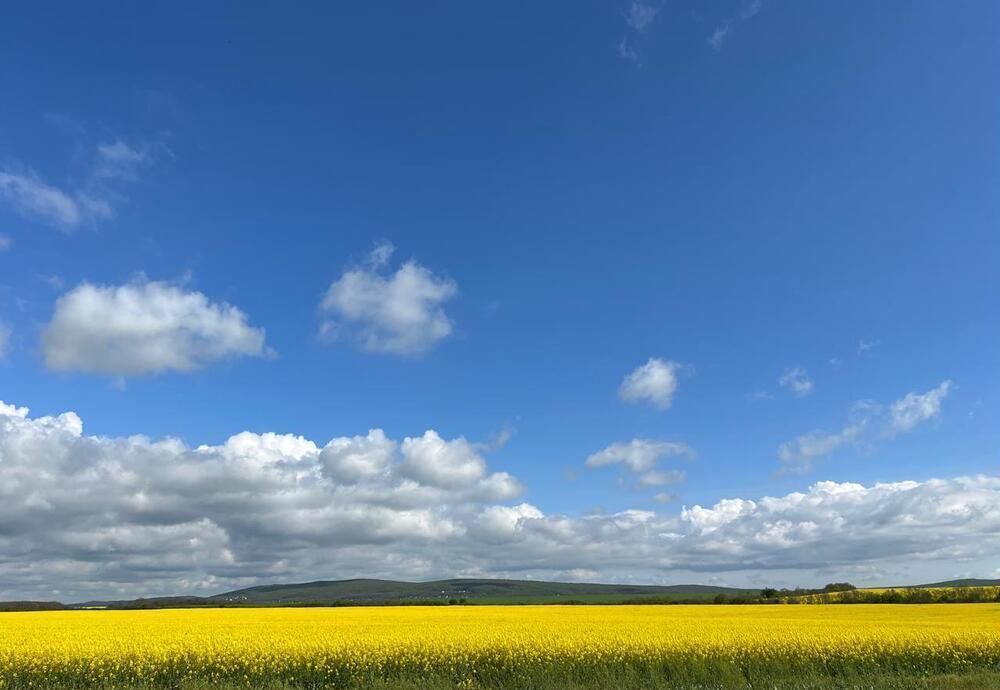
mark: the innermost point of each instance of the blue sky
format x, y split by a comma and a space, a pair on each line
737, 191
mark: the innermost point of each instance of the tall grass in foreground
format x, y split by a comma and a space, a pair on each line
506, 647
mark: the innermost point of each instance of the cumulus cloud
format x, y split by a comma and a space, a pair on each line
796, 379
914, 408
868, 422
93, 517
144, 328
655, 382
724, 30
641, 456
433, 461
400, 313
91, 200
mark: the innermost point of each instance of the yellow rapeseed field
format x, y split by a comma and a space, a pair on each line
490, 645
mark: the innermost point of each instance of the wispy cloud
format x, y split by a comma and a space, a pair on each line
638, 19
868, 422
915, 408
796, 379
93, 199
5, 242
800, 454
724, 30
31, 196
865, 345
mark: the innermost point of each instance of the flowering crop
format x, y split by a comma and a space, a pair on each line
491, 645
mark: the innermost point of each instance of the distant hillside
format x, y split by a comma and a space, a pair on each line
363, 590
970, 582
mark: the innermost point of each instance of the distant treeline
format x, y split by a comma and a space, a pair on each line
906, 595
844, 593
31, 606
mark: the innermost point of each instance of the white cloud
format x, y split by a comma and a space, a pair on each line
98, 517
796, 379
431, 460
350, 460
914, 408
656, 382
5, 242
642, 456
93, 199
868, 422
401, 313
144, 328
722, 32
639, 454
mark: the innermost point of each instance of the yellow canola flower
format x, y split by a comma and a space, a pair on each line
489, 644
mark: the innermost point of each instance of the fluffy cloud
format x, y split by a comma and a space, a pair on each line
655, 382
86, 516
144, 328
641, 456
914, 408
91, 201
868, 421
399, 313
433, 461
796, 379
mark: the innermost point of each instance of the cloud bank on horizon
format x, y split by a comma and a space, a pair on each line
134, 516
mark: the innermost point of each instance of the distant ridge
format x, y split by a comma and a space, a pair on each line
361, 591
370, 590
968, 582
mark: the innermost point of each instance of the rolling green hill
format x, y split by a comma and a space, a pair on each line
473, 590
